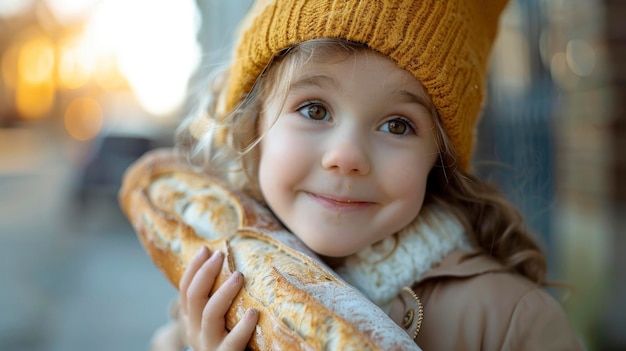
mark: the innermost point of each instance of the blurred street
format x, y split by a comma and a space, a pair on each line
74, 276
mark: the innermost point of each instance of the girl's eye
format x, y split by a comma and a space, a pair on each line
398, 126
314, 111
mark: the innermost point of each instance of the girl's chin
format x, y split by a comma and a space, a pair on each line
328, 251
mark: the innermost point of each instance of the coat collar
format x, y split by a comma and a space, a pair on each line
463, 264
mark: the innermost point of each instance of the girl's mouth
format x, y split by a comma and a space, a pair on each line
336, 203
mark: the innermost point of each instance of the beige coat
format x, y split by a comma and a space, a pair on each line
471, 302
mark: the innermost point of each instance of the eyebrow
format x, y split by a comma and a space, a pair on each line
407, 96
319, 80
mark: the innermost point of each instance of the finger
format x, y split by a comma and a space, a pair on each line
201, 256
218, 305
241, 334
201, 286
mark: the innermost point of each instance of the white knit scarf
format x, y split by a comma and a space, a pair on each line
383, 269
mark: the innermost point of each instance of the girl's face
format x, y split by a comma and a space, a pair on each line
346, 162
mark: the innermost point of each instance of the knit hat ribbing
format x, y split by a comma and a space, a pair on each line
444, 44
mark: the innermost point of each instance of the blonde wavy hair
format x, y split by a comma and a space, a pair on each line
223, 143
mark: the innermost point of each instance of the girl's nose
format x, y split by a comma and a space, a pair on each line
347, 157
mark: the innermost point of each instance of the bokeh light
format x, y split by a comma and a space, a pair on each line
35, 84
581, 57
36, 59
75, 64
94, 47
34, 101
107, 74
83, 119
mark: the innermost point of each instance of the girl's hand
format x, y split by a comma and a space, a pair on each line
203, 315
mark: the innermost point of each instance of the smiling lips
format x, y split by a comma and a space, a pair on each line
340, 203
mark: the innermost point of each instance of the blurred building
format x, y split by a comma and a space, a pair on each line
556, 120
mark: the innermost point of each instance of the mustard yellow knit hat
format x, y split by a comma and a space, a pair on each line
446, 44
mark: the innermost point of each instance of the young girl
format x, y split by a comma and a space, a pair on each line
353, 121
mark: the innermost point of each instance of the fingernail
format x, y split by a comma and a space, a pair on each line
236, 277
216, 255
252, 313
202, 252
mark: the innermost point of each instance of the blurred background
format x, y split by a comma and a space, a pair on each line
87, 86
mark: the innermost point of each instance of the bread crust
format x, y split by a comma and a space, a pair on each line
302, 303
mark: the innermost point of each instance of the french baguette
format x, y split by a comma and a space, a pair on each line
302, 303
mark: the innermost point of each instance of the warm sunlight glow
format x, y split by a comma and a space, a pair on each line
107, 74
75, 64
83, 119
34, 100
154, 43
148, 47
35, 86
36, 60
70, 11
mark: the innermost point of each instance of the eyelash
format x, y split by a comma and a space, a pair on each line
410, 125
309, 103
